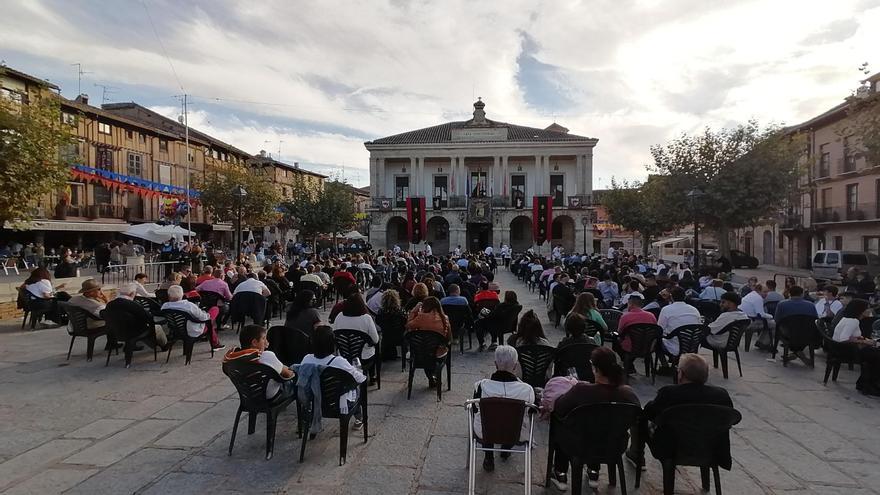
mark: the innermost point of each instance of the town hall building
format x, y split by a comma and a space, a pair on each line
480, 182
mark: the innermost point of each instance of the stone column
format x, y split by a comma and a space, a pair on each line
496, 174
538, 177
587, 162
505, 186
412, 176
381, 190
579, 175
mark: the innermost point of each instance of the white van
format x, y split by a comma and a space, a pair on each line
832, 265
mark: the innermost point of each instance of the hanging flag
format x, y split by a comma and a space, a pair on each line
542, 218
415, 212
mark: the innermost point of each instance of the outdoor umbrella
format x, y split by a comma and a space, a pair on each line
354, 234
147, 232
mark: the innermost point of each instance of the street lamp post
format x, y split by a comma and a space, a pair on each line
694, 196
585, 220
240, 193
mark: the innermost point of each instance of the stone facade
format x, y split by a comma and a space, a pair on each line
478, 178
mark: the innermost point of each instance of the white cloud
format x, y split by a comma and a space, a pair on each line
631, 73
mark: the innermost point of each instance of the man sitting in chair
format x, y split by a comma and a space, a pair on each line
253, 348
194, 328
693, 372
503, 383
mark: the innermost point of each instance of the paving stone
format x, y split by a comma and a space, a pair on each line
100, 428
181, 410
215, 393
131, 473
824, 443
35, 460
387, 480
203, 428
118, 446
400, 443
795, 459
51, 481
147, 407
187, 483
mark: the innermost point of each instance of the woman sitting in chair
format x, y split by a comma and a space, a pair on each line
429, 316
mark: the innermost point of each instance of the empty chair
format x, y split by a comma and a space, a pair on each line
689, 339
177, 321
350, 344
594, 434
797, 332
643, 340
535, 362
422, 346
78, 326
152, 307
696, 435
335, 385
251, 380
501, 423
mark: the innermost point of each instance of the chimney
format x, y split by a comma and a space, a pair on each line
83, 98
262, 153
296, 165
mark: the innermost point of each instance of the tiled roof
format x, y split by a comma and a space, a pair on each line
21, 75
262, 161
443, 134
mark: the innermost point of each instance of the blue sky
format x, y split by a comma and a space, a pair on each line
323, 77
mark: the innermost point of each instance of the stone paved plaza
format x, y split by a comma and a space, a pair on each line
79, 428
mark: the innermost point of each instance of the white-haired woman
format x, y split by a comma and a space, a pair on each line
503, 383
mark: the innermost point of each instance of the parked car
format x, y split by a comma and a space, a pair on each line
831, 264
738, 259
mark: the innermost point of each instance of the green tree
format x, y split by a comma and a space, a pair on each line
31, 163
259, 207
745, 174
862, 128
314, 210
642, 207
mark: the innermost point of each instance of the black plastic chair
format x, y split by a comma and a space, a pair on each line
316, 290
689, 339
153, 307
535, 361
176, 321
334, 384
33, 306
749, 331
209, 299
290, 345
561, 306
247, 304
643, 341
250, 380
122, 327
161, 295
734, 331
697, 432
836, 353
797, 332
78, 326
422, 346
575, 356
461, 321
594, 329
593, 434
350, 344
709, 310
505, 321
612, 319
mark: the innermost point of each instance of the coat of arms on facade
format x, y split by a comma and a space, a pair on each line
480, 210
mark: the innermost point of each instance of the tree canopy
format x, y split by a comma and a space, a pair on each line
313, 210
863, 126
643, 207
31, 164
745, 174
258, 207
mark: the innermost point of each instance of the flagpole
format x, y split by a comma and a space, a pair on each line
188, 185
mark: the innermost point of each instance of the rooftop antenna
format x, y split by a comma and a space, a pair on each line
268, 142
280, 142
79, 74
105, 90
864, 69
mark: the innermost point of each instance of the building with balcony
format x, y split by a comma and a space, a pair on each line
838, 201
478, 178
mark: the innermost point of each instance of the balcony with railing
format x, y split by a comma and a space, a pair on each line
847, 164
92, 212
850, 213
579, 202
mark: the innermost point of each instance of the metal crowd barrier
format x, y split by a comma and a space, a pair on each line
156, 271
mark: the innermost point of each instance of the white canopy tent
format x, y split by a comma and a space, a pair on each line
354, 234
156, 233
